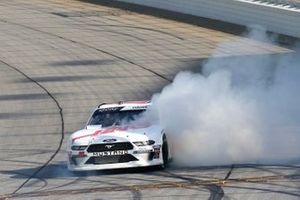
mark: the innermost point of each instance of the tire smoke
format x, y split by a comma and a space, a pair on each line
239, 110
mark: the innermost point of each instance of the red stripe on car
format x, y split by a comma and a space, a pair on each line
111, 130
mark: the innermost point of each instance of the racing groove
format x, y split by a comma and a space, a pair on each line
61, 59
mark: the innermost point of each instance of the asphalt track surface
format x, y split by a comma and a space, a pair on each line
60, 59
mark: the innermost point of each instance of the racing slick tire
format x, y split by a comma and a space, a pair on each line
165, 153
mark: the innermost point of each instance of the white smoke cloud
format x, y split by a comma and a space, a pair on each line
239, 110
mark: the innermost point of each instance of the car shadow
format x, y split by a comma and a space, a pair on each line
60, 170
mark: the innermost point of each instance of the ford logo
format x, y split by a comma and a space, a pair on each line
109, 146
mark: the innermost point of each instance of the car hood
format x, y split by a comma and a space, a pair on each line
91, 135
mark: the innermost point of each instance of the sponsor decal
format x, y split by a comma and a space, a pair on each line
136, 102
109, 140
143, 151
156, 149
139, 107
110, 153
112, 109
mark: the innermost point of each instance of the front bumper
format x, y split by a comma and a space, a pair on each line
131, 164
143, 156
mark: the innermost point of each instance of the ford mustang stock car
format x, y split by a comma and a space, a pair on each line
114, 138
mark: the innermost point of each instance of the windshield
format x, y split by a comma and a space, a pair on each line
107, 118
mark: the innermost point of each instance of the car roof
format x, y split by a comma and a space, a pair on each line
127, 105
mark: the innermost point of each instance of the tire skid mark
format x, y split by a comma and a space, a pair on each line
61, 118
162, 185
91, 47
265, 190
20, 161
76, 180
229, 172
121, 26
40, 179
215, 190
141, 28
136, 194
119, 33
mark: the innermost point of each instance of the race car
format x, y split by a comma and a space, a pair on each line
117, 135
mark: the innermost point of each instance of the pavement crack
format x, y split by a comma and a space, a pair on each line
61, 118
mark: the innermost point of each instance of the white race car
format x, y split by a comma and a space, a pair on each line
115, 138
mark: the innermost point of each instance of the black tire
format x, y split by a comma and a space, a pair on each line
165, 153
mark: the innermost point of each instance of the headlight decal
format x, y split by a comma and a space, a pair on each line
78, 147
144, 143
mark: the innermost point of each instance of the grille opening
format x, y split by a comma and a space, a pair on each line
111, 159
109, 147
